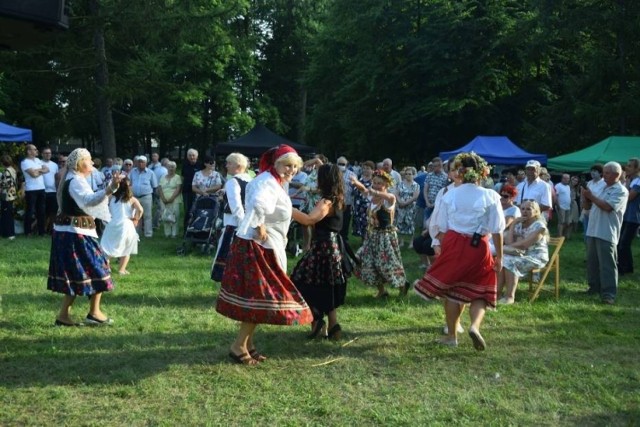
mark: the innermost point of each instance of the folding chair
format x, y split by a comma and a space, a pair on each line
535, 286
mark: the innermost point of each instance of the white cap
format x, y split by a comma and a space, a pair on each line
144, 159
533, 164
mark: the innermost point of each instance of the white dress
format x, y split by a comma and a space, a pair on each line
120, 237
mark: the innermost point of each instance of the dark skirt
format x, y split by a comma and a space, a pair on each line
220, 261
7, 226
320, 276
255, 289
462, 273
77, 265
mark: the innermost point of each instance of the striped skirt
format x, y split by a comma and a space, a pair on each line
255, 289
462, 273
77, 265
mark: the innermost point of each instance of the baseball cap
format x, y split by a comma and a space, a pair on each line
144, 159
533, 164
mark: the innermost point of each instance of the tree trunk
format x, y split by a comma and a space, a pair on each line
303, 114
105, 118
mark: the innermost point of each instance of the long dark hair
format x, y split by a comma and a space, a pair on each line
331, 185
123, 193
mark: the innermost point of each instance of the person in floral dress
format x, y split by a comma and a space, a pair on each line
407, 193
361, 201
379, 255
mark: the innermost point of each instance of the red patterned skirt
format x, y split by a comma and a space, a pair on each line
255, 289
462, 273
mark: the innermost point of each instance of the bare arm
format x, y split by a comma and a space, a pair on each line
322, 209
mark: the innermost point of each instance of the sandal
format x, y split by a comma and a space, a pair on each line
243, 359
258, 357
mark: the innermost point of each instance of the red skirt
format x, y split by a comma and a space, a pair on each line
255, 289
461, 273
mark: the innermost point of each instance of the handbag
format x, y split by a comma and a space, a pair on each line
168, 216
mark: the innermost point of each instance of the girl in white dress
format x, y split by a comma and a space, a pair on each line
120, 238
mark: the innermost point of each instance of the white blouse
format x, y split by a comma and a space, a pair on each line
468, 209
93, 203
268, 203
234, 198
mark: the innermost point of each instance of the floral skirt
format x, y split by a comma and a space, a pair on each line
77, 265
380, 259
220, 260
320, 277
255, 289
462, 273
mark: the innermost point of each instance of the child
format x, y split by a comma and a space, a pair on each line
120, 238
379, 254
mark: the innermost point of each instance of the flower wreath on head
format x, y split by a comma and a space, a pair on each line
471, 167
384, 175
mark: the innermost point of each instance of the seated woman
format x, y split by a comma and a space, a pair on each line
525, 249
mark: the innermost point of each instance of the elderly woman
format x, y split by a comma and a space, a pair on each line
407, 192
234, 191
77, 264
361, 200
170, 192
525, 249
465, 271
8, 194
255, 287
207, 181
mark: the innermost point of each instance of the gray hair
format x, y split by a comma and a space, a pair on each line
171, 164
613, 167
192, 151
239, 159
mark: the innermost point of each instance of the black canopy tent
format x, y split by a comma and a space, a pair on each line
257, 141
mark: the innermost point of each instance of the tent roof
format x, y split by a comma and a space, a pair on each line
10, 133
257, 141
496, 150
615, 148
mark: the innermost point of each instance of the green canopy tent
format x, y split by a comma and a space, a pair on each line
615, 148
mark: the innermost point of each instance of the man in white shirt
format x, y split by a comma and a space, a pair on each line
563, 206
50, 189
387, 166
534, 188
34, 170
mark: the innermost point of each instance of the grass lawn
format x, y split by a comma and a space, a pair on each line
568, 362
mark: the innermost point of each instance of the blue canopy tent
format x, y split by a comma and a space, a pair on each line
10, 133
496, 150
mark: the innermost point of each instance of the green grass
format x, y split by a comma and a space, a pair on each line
567, 362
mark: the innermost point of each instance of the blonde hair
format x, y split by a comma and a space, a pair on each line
239, 159
291, 157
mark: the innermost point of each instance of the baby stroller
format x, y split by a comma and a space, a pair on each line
204, 225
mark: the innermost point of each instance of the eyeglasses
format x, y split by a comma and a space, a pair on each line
505, 196
128, 164
342, 164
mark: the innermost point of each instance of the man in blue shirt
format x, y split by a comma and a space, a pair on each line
143, 185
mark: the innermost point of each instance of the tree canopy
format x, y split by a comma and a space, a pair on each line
364, 78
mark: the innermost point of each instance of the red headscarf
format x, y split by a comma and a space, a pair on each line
269, 158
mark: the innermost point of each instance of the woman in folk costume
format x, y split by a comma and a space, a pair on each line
255, 287
77, 265
465, 272
321, 274
234, 195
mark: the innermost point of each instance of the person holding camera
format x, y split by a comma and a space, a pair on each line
465, 272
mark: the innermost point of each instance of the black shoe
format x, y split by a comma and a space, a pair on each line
335, 332
316, 330
405, 289
591, 292
92, 321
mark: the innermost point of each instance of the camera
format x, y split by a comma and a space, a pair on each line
475, 240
